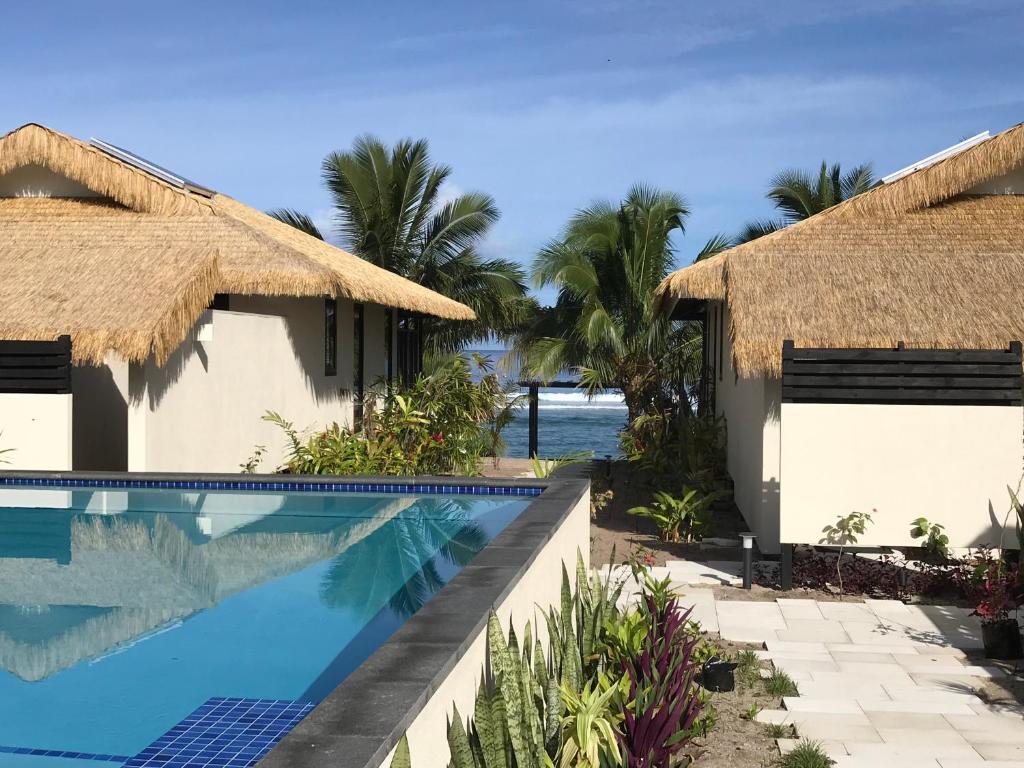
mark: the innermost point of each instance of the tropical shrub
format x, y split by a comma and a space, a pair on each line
936, 542
531, 704
683, 518
444, 423
612, 688
673, 447
664, 701
844, 532
998, 591
547, 467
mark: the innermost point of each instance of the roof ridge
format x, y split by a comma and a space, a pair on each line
36, 144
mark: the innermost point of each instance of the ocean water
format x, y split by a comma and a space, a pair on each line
568, 422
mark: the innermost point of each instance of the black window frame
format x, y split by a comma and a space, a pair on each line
330, 336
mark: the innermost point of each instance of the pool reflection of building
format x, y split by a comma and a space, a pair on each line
75, 585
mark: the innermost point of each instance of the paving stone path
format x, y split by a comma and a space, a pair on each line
881, 683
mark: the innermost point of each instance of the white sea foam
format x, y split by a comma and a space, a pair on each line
605, 400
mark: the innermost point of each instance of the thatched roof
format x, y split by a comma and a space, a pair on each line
130, 271
915, 260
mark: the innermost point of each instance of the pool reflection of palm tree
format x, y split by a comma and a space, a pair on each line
397, 565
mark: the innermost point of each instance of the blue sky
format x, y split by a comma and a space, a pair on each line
545, 105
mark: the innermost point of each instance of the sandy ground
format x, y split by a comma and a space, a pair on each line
735, 742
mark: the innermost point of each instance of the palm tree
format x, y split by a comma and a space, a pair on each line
799, 196
390, 210
603, 325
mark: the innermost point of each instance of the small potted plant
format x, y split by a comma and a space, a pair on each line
999, 595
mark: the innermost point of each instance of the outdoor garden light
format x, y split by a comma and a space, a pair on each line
748, 559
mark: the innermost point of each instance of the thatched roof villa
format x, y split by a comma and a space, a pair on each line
930, 259
189, 313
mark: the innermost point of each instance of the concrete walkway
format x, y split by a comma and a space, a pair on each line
881, 683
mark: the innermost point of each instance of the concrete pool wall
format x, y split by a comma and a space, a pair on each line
435, 661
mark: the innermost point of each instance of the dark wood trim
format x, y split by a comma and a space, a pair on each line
42, 367
910, 376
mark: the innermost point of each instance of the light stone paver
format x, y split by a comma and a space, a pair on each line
916, 761
964, 752
880, 683
999, 752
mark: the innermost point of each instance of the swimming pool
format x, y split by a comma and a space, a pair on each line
196, 624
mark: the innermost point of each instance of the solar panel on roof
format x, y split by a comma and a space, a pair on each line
151, 168
940, 155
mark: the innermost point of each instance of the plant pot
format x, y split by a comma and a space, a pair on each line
718, 676
1001, 639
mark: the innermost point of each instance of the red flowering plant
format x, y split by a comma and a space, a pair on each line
998, 591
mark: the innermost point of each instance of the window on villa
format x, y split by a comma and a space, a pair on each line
330, 337
389, 336
357, 365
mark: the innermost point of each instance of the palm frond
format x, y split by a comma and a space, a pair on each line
714, 246
297, 219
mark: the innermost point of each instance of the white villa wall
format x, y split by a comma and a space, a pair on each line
37, 181
950, 464
38, 429
202, 411
751, 410
537, 588
1011, 183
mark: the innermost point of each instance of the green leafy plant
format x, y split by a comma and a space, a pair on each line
548, 467
673, 447
678, 518
1018, 508
780, 684
660, 590
251, 464
845, 532
589, 728
402, 758
527, 693
936, 542
806, 754
751, 712
441, 424
748, 668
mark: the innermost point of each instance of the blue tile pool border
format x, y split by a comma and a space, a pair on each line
224, 732
35, 752
66, 480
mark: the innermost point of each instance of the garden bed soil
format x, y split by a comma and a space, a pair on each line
627, 536
735, 742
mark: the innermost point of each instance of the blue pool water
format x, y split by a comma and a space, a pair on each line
124, 612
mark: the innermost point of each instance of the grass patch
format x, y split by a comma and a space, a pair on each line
780, 684
806, 754
778, 731
752, 711
748, 667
